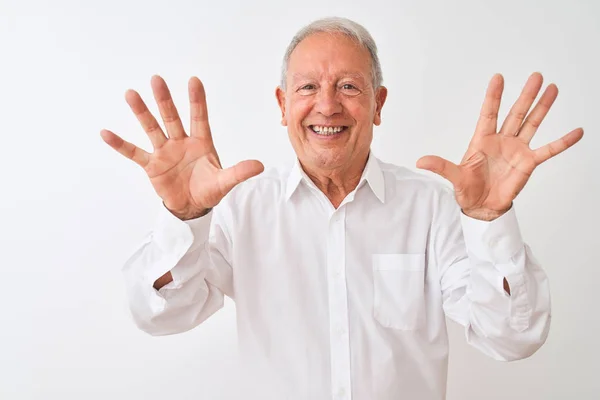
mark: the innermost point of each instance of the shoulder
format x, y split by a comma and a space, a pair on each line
271, 182
407, 180
423, 190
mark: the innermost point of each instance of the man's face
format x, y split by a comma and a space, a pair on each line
330, 105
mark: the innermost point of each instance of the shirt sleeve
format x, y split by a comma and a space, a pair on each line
474, 258
196, 252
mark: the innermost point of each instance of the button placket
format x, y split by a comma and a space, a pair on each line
338, 306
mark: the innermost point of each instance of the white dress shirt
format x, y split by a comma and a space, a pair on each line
346, 303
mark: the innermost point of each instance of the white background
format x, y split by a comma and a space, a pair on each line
72, 208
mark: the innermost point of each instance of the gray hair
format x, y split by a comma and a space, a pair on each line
344, 26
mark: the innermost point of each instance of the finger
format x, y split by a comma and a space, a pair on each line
442, 167
519, 110
488, 117
146, 119
534, 120
131, 151
240, 172
558, 146
167, 108
198, 110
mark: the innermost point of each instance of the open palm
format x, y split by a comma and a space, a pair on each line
498, 164
185, 171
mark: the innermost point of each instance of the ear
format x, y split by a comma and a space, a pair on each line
380, 96
280, 94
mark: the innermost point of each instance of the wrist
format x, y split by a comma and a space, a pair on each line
186, 215
484, 214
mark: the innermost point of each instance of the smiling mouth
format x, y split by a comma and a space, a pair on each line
327, 130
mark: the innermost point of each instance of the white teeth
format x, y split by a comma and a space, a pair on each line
327, 130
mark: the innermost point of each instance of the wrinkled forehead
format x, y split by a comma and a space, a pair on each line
331, 56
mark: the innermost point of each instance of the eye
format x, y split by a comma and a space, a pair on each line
349, 88
307, 88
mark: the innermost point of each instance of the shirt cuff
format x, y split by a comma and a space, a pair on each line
494, 241
173, 239
171, 233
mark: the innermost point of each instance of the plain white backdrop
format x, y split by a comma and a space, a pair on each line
72, 208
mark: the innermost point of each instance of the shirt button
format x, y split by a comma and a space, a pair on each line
341, 394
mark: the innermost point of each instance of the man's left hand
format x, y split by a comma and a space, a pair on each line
497, 165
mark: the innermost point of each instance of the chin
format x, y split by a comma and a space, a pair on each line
329, 158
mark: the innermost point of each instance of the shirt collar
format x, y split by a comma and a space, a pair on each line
372, 174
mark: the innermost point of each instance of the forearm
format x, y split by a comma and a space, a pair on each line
183, 216
492, 284
508, 292
171, 281
508, 326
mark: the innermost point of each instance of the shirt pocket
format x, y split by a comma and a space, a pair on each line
399, 290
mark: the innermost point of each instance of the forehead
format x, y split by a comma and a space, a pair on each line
329, 54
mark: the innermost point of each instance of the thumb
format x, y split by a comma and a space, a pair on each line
239, 173
440, 166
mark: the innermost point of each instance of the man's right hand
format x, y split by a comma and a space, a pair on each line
185, 170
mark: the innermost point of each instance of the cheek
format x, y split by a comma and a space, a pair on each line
360, 113
299, 109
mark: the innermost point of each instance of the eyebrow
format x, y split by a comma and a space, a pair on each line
346, 74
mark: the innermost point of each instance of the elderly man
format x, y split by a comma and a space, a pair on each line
342, 267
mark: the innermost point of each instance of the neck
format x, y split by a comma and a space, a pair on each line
337, 183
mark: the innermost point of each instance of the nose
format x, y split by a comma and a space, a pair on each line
327, 102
